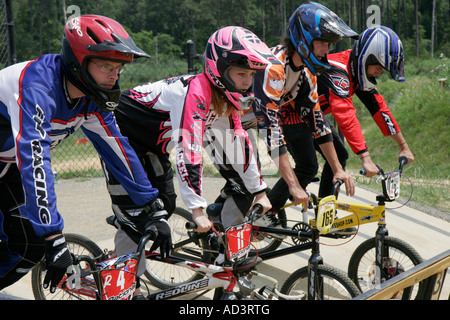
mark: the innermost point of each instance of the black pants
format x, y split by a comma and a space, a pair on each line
300, 144
326, 180
159, 172
20, 247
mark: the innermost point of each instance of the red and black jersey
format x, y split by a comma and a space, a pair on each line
336, 89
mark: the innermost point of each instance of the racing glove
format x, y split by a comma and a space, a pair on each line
158, 225
163, 235
58, 259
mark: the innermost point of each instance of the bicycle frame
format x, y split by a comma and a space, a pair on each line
314, 260
218, 276
237, 270
363, 214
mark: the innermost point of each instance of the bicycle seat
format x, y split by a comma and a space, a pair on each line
214, 209
246, 265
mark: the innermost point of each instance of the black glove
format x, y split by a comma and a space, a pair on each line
58, 259
160, 228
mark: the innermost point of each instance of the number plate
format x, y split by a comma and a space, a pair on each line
393, 186
325, 214
118, 278
238, 241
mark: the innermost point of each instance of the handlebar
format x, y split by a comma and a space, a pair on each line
390, 185
334, 190
149, 235
257, 209
401, 160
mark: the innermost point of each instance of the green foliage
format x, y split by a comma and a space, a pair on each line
39, 24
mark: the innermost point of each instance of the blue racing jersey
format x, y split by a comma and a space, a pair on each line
36, 114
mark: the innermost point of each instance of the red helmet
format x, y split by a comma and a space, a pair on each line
93, 36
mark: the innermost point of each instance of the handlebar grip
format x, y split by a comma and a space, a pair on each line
191, 225
336, 187
364, 172
151, 232
257, 208
402, 161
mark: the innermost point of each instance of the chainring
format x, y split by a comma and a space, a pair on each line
301, 226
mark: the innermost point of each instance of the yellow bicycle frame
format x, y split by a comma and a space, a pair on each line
360, 214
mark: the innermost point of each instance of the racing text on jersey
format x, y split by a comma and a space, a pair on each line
40, 184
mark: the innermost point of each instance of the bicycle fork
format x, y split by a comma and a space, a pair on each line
315, 282
381, 254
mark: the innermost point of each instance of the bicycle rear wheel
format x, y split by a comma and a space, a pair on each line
264, 242
336, 285
361, 267
163, 275
77, 245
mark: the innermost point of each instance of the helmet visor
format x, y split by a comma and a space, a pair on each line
256, 64
246, 64
397, 72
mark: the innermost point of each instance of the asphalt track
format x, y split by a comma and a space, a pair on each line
85, 204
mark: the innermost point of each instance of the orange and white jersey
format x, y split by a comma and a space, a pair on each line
278, 87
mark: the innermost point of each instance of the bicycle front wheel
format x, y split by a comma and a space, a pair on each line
77, 245
163, 275
335, 285
399, 258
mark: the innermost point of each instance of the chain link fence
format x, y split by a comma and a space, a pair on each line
75, 156
3, 36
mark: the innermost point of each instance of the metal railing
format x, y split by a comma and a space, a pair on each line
431, 271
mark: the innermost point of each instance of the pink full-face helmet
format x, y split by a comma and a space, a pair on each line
239, 47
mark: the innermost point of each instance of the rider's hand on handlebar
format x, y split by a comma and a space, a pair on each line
58, 259
201, 220
262, 199
163, 235
348, 181
300, 197
368, 167
406, 153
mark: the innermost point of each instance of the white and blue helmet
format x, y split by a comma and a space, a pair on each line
378, 46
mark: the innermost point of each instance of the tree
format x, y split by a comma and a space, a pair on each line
39, 23
416, 11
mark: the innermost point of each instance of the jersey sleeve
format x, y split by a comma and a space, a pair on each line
30, 112
269, 88
336, 98
376, 104
188, 126
122, 161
